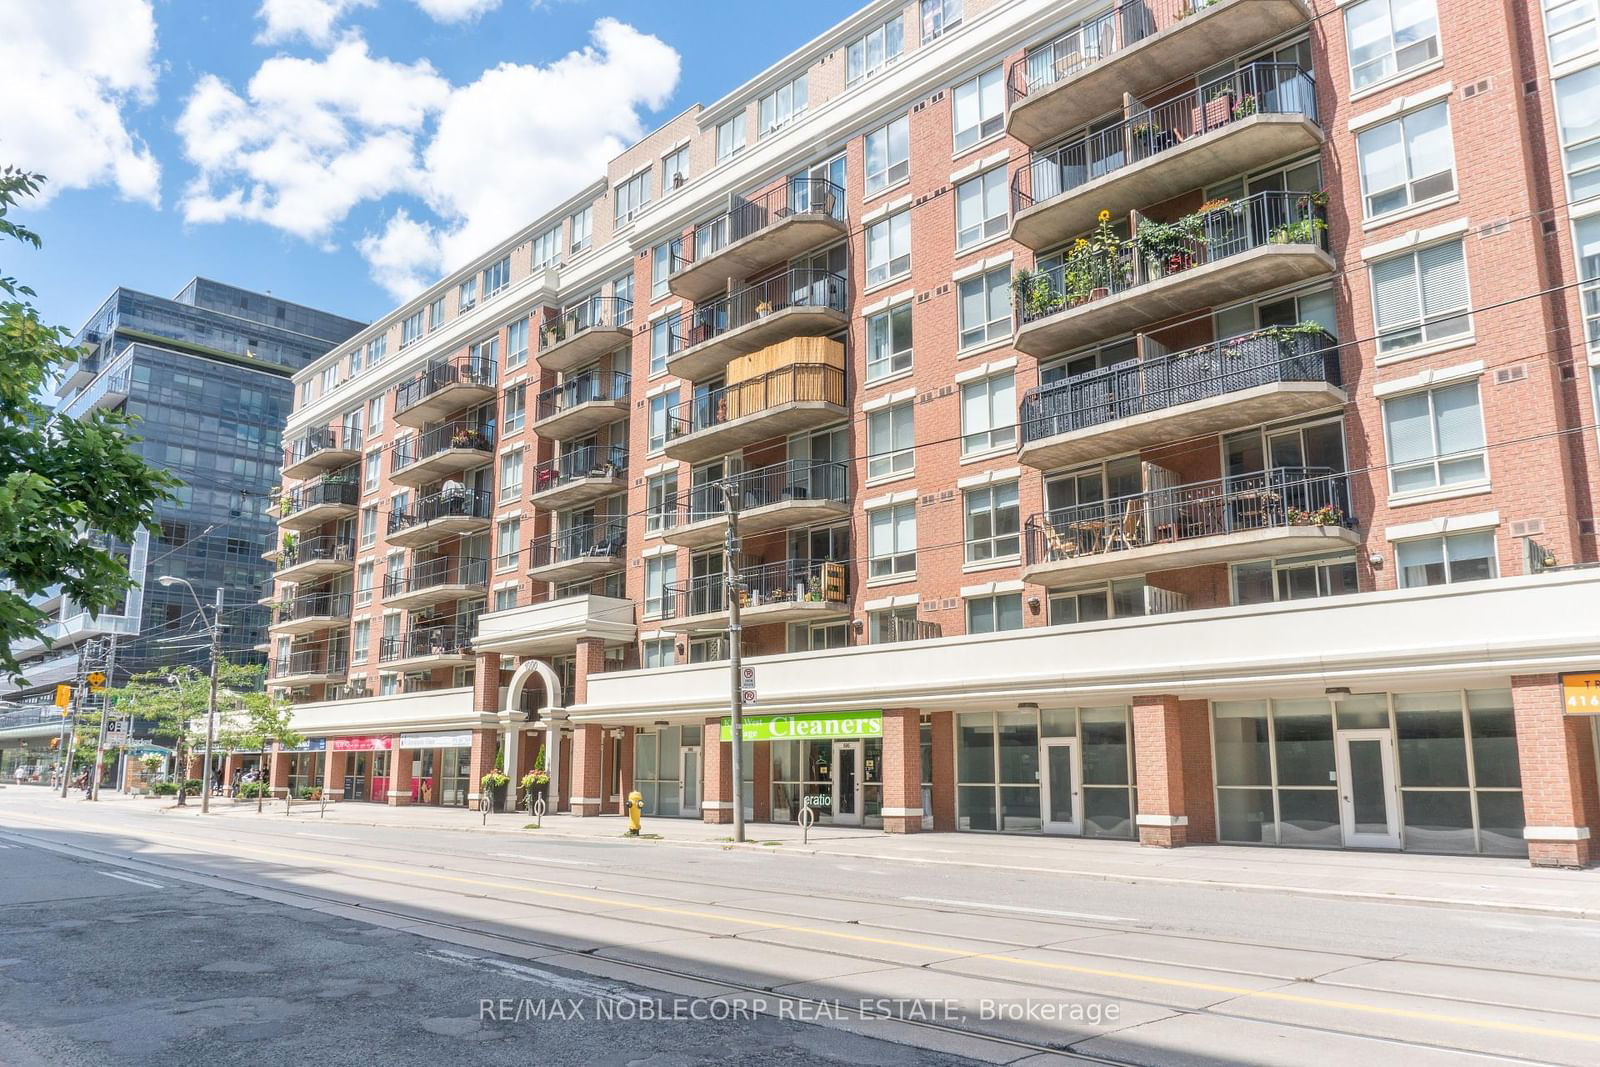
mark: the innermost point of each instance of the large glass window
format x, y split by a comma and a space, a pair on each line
1409, 160
730, 137
1462, 557
1388, 38
1297, 578
981, 210
1578, 106
631, 197
985, 308
889, 248
998, 768
782, 106
988, 414
992, 523
1572, 27
939, 17
1435, 439
892, 541
889, 342
888, 152
870, 53
1421, 298
992, 614
1588, 242
979, 110
890, 441
659, 572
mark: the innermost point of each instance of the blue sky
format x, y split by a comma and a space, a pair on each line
148, 96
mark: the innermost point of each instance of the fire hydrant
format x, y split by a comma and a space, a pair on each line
635, 809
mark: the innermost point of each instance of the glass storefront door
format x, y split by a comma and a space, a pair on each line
1367, 809
355, 775
689, 783
847, 782
1061, 794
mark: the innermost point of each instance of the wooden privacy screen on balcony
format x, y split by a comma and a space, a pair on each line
757, 381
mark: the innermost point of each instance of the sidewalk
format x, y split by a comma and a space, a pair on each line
1501, 884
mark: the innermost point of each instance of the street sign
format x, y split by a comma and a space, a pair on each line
747, 697
747, 676
97, 681
1581, 693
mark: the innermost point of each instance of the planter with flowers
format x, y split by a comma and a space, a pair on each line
494, 790
1326, 515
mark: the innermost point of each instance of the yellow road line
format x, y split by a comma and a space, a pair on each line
611, 903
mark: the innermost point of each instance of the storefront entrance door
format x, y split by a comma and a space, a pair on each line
1366, 789
1061, 793
689, 782
847, 783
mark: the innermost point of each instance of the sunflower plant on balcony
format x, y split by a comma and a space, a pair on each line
1089, 268
1169, 247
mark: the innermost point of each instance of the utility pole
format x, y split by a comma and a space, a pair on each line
211, 705
105, 720
733, 586
69, 733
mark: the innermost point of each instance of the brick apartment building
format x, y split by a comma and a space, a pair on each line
1171, 421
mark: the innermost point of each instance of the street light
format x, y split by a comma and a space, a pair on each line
211, 705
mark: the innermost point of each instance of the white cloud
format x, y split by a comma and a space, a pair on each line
312, 19
70, 69
312, 139
456, 10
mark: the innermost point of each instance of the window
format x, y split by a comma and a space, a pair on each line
892, 541
632, 196
1463, 557
364, 577
659, 406
496, 276
330, 379
980, 109
369, 526
1572, 28
514, 409
516, 344
580, 230
373, 471
986, 308
388, 685
938, 17
1435, 439
663, 335
890, 440
889, 342
981, 208
664, 259
888, 151
1389, 37
436, 314
377, 348
782, 106
622, 293
485, 353
988, 414
505, 599
360, 637
1407, 161
547, 248
353, 361
1420, 298
466, 294
656, 652
661, 501
659, 573
889, 248
893, 624
511, 475
991, 614
1588, 245
375, 415
1301, 578
869, 54
992, 522
1578, 107
410, 329
730, 137
507, 544
674, 169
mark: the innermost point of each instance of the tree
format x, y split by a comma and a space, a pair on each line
60, 478
255, 720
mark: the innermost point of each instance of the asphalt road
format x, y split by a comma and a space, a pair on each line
1002, 969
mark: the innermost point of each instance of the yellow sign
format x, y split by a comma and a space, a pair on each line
1581, 693
97, 681
63, 695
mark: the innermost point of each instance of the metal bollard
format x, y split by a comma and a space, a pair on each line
807, 817
538, 813
323, 796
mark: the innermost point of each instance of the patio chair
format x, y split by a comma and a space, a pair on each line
1060, 547
1126, 533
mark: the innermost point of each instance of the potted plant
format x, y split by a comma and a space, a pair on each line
552, 332
461, 438
763, 309
494, 789
1300, 232
1326, 515
1244, 106
536, 785
1148, 136
291, 546
285, 505
1218, 108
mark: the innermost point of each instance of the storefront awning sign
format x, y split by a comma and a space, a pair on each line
1581, 693
808, 726
361, 744
311, 744
462, 739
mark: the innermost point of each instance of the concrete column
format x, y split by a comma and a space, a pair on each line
278, 771
1162, 817
761, 802
564, 763
1556, 751
902, 771
399, 777
481, 763
943, 724
719, 794
333, 765
511, 742
588, 769
626, 777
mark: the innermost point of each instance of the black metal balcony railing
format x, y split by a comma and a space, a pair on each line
1236, 227
586, 461
448, 640
1095, 39
800, 287
328, 547
340, 487
796, 383
311, 661
1256, 89
477, 436
313, 606
446, 570
585, 388
322, 439
1282, 497
596, 540
791, 581
454, 503
797, 196
460, 370
597, 312
1296, 354
790, 480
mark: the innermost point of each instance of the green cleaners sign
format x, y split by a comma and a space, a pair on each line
808, 727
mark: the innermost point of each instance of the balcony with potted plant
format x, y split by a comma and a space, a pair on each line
441, 451
784, 591
580, 475
308, 559
335, 495
308, 612
757, 234
444, 387
801, 302
443, 513
584, 332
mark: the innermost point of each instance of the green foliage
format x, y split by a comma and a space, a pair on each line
58, 477
254, 790
495, 780
164, 789
249, 719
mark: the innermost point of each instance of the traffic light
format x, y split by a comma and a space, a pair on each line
55, 742
63, 696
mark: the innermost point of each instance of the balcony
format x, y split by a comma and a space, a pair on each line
582, 404
1243, 248
799, 590
1243, 381
452, 513
580, 476
552, 627
444, 388
112, 390
436, 454
311, 612
333, 496
429, 647
310, 667
758, 234
1138, 47
1255, 115
304, 560
435, 581
585, 332
801, 396
80, 372
1287, 511
587, 551
323, 449
793, 493
797, 303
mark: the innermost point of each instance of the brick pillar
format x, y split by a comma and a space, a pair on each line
230, 767
944, 770
1158, 752
278, 772
588, 769
902, 771
399, 776
333, 764
481, 763
590, 659
486, 684
761, 802
717, 776
1200, 798
195, 767
1556, 752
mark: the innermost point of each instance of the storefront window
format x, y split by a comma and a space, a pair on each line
455, 777
998, 770
1303, 746
658, 769
1107, 798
